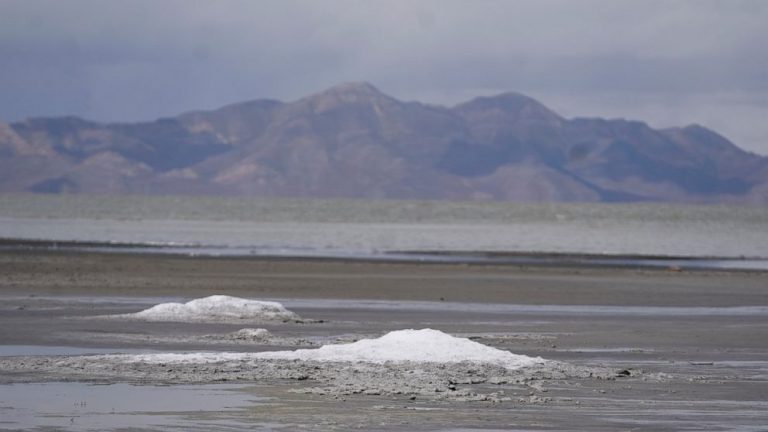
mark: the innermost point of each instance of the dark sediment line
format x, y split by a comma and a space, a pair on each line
504, 258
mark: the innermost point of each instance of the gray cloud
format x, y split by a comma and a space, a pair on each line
661, 61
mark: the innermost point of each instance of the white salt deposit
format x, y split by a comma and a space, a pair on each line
426, 345
217, 308
418, 346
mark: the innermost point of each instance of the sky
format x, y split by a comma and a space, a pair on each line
669, 63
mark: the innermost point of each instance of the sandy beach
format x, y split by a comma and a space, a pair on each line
634, 349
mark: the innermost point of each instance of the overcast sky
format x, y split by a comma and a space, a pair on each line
665, 62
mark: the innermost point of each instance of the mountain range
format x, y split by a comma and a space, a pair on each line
352, 140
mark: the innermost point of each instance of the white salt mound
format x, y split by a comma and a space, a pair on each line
426, 345
417, 346
217, 308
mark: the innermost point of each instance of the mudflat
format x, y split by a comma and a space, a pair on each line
635, 349
117, 274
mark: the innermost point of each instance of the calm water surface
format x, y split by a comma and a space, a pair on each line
70, 406
364, 227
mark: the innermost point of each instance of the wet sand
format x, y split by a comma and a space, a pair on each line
702, 364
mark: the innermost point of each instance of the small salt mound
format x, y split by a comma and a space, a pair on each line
427, 345
217, 308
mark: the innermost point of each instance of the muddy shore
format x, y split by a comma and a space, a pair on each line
110, 274
692, 343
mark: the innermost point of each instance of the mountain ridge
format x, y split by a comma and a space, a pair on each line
352, 140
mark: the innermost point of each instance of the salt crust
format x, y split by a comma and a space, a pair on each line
217, 308
418, 346
424, 346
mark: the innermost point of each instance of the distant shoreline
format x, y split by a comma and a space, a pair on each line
501, 258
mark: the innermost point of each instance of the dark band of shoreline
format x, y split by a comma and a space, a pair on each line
511, 258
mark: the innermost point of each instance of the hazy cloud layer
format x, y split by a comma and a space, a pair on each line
666, 62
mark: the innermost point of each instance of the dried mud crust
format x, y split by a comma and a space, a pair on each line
246, 337
455, 381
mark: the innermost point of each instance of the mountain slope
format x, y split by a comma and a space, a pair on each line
354, 141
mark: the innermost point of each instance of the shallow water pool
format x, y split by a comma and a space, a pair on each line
83, 407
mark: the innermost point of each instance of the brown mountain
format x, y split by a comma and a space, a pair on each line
354, 141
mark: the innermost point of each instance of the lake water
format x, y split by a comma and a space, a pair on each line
66, 406
355, 228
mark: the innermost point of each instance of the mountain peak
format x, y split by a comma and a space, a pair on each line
509, 97
509, 101
703, 136
345, 95
510, 105
352, 89
355, 86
